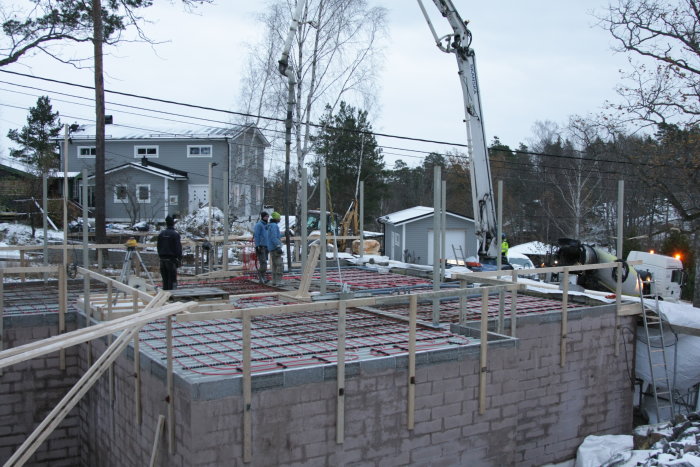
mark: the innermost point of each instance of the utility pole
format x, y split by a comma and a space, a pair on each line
97, 40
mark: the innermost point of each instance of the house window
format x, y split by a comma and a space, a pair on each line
120, 193
143, 193
87, 152
145, 151
173, 199
199, 151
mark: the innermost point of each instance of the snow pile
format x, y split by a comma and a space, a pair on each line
19, 234
662, 444
196, 224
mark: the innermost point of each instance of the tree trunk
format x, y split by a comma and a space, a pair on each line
100, 224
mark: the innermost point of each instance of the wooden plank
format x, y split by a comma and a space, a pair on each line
156, 440
30, 270
247, 393
62, 308
483, 350
145, 296
340, 376
169, 384
52, 344
54, 418
412, 319
564, 316
513, 305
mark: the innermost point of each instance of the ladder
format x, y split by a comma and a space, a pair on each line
656, 349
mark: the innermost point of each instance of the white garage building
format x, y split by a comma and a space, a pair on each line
408, 235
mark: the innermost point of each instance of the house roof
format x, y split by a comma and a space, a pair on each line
24, 170
125, 132
160, 170
413, 214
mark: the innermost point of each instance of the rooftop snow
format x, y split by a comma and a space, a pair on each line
415, 212
176, 132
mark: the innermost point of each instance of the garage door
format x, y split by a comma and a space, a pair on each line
453, 237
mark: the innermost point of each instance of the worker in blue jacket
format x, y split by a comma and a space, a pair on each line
275, 247
260, 238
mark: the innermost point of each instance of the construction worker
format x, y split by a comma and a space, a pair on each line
260, 237
170, 254
275, 247
504, 247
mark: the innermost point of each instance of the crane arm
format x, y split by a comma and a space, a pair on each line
459, 44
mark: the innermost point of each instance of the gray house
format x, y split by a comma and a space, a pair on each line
152, 173
408, 235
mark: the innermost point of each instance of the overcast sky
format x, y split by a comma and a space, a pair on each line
537, 60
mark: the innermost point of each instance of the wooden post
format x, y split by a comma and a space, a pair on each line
247, 392
137, 379
171, 395
340, 406
226, 194
109, 341
62, 307
304, 217
322, 226
100, 260
484, 336
362, 221
156, 440
462, 305
513, 304
2, 312
436, 242
22, 263
620, 233
412, 312
564, 315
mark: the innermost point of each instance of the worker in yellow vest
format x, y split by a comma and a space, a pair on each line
504, 247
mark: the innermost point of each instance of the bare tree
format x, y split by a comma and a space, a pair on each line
663, 90
334, 57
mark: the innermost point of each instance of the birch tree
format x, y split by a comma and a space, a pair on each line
335, 56
661, 91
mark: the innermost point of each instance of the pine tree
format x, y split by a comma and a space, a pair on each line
36, 140
351, 153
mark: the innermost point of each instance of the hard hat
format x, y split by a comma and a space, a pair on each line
503, 235
276, 216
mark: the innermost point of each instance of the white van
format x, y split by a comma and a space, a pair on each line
520, 261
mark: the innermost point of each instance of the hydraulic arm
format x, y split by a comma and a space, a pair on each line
459, 44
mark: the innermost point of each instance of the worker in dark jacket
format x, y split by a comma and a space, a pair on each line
170, 254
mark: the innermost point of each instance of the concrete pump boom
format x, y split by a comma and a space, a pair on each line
458, 43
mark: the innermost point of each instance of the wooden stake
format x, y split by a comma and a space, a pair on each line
484, 336
513, 304
412, 319
156, 440
340, 408
62, 307
564, 316
109, 342
137, 379
247, 393
22, 263
170, 387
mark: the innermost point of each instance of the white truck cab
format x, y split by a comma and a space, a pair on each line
666, 272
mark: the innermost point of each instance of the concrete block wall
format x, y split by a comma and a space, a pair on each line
30, 390
111, 434
537, 411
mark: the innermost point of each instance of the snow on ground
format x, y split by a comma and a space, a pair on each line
19, 234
